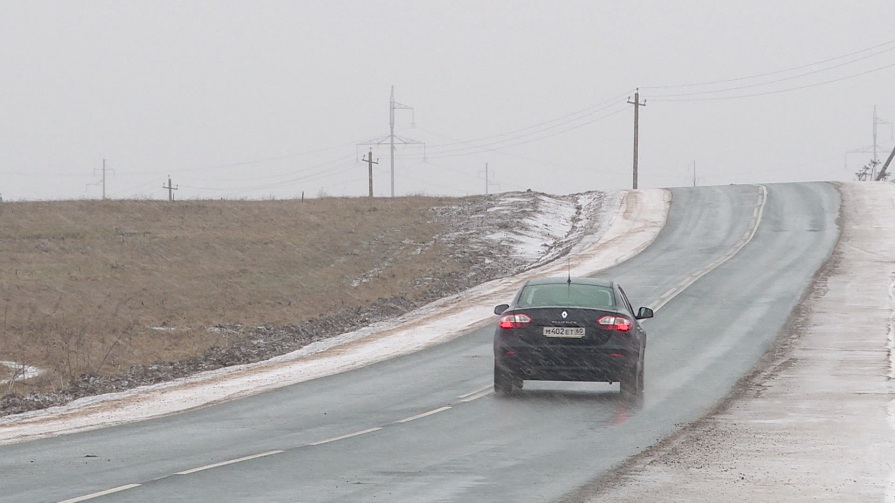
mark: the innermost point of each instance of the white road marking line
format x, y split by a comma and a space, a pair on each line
475, 396
343, 437
483, 388
101, 493
424, 414
756, 221
230, 462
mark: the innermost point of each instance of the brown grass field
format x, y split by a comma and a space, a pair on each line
94, 287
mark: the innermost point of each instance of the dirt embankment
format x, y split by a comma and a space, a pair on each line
110, 295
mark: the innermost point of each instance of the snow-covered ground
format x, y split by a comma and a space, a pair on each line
19, 371
546, 232
620, 234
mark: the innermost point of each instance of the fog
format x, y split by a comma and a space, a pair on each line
277, 99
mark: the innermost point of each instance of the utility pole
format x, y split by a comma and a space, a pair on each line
694, 173
876, 121
637, 104
103, 181
488, 182
868, 172
392, 138
170, 188
370, 162
882, 172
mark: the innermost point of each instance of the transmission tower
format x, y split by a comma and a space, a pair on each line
392, 138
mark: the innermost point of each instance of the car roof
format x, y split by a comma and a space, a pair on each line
575, 281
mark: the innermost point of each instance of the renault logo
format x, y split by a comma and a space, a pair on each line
565, 315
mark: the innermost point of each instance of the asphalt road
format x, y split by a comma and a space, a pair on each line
725, 272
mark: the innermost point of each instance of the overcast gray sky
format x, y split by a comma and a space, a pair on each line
261, 99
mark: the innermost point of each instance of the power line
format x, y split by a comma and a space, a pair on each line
776, 91
327, 171
565, 119
767, 83
528, 138
292, 172
547, 129
244, 163
777, 72
428, 159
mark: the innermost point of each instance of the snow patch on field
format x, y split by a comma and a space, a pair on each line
532, 237
20, 372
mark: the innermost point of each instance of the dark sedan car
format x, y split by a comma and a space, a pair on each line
570, 329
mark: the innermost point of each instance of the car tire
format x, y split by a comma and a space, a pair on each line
631, 383
505, 383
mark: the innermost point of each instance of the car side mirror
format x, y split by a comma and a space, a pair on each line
501, 308
644, 312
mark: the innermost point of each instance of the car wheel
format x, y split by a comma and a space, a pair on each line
505, 383
631, 383
640, 380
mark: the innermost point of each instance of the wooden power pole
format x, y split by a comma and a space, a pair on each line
370, 162
170, 188
637, 104
882, 172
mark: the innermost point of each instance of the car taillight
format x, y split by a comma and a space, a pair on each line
610, 322
515, 320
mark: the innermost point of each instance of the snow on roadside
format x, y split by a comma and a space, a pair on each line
553, 224
890, 409
818, 424
892, 328
604, 238
532, 237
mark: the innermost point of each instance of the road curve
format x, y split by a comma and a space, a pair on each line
727, 270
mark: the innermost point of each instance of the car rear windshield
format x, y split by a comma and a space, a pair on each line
571, 295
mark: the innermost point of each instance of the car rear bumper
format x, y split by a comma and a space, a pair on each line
598, 366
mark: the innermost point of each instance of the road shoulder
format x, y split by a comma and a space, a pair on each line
815, 422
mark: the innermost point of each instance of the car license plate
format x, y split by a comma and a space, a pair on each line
568, 332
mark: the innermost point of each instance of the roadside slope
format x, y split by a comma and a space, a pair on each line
636, 223
179, 289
